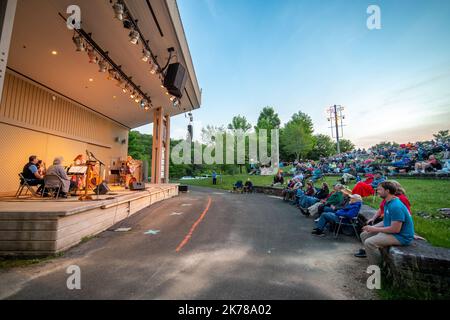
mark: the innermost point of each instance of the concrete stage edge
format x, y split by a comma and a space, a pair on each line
41, 228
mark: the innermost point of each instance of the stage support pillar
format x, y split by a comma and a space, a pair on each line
7, 13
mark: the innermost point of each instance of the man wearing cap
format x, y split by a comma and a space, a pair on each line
396, 229
349, 211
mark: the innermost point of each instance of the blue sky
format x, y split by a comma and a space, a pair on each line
306, 55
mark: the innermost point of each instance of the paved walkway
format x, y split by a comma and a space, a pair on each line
205, 244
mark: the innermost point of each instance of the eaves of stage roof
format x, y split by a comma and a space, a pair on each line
40, 31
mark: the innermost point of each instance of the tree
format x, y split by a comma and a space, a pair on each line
268, 119
240, 122
346, 145
323, 146
305, 120
442, 136
296, 141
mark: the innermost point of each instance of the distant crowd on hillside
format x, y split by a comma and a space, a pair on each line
419, 157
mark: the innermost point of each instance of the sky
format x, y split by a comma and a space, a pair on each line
306, 55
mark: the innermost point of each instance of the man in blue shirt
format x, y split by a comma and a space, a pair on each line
31, 174
396, 229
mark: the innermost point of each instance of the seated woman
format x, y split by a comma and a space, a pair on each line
367, 187
248, 187
350, 211
307, 201
278, 179
335, 198
317, 174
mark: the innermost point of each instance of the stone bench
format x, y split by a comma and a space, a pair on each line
417, 267
275, 191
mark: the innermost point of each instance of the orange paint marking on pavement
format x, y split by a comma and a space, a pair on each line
196, 223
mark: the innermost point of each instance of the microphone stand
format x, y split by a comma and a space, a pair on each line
101, 164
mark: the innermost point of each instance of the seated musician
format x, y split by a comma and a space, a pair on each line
31, 173
41, 167
58, 169
78, 179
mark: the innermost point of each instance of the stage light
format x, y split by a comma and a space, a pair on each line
154, 67
146, 55
118, 11
120, 82
176, 103
125, 89
111, 74
54, 52
138, 98
92, 56
78, 43
103, 66
132, 95
134, 36
143, 103
147, 107
172, 98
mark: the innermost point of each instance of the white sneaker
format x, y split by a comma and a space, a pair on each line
317, 220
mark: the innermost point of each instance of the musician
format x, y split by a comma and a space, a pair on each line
58, 169
31, 173
41, 167
130, 168
79, 180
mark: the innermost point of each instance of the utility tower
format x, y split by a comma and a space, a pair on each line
335, 116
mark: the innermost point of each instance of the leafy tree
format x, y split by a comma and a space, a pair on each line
323, 146
268, 119
346, 145
240, 122
305, 120
296, 138
442, 136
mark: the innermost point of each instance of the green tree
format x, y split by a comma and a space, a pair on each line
323, 146
239, 122
442, 136
296, 137
346, 145
268, 119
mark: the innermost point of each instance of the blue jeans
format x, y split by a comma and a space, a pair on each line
325, 218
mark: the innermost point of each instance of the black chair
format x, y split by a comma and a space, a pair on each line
53, 185
343, 221
24, 185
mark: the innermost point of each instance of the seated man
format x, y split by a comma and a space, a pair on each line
31, 173
396, 229
58, 170
350, 211
238, 186
431, 163
248, 187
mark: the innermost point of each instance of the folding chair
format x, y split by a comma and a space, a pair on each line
353, 222
54, 184
24, 184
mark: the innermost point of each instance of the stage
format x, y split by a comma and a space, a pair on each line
41, 226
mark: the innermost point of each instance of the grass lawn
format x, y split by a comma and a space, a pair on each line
426, 196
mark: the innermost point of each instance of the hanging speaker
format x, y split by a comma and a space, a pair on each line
175, 79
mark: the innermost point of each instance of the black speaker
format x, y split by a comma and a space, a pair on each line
175, 79
102, 188
137, 186
182, 188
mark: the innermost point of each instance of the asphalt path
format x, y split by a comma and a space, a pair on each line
204, 244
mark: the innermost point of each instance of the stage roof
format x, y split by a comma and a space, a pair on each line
39, 32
